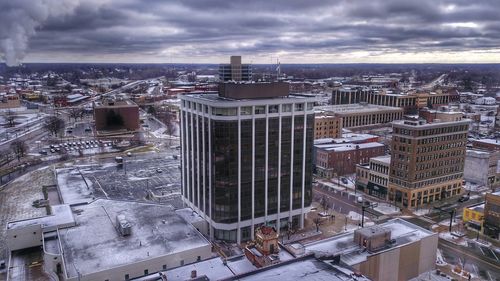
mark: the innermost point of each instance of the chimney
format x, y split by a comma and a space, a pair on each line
193, 273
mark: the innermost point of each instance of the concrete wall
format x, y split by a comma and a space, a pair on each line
476, 167
402, 263
25, 237
152, 265
253, 91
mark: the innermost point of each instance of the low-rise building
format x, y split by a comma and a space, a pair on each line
116, 115
110, 240
473, 216
395, 250
9, 100
482, 167
491, 226
363, 114
487, 144
341, 159
373, 178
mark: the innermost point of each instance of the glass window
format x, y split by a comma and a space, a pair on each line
246, 110
299, 107
310, 105
273, 108
261, 109
286, 108
219, 111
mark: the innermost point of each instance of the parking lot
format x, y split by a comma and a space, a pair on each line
151, 177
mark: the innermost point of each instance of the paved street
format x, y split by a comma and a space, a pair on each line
475, 262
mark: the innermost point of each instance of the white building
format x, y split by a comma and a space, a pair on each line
88, 242
246, 157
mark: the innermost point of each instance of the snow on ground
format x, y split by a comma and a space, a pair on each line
447, 222
386, 209
421, 212
354, 216
449, 237
439, 258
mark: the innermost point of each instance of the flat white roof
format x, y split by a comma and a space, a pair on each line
96, 245
61, 215
351, 253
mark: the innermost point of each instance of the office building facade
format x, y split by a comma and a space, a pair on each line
427, 161
235, 70
247, 162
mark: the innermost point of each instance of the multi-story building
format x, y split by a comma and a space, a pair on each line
327, 126
362, 115
491, 225
373, 178
481, 167
9, 100
410, 101
427, 161
235, 70
116, 115
247, 161
487, 144
340, 159
391, 251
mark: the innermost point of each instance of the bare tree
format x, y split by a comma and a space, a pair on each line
76, 113
317, 223
19, 148
290, 230
54, 125
169, 124
10, 118
324, 203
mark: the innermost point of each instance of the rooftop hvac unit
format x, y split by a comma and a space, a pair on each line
124, 227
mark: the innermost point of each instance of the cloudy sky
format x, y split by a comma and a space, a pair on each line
208, 31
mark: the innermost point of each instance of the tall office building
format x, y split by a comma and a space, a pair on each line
247, 157
427, 161
235, 71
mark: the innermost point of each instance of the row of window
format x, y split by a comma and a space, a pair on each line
248, 110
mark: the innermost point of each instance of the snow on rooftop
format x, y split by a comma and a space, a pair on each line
384, 159
94, 244
307, 268
75, 189
61, 216
351, 253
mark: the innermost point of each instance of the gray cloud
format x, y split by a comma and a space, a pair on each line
135, 29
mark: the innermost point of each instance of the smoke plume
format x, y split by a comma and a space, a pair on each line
19, 20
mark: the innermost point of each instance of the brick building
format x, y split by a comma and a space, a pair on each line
487, 144
327, 126
362, 115
491, 226
116, 115
341, 159
373, 178
427, 161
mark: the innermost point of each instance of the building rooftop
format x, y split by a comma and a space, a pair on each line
478, 207
306, 268
213, 99
95, 244
61, 215
402, 232
489, 141
354, 108
348, 146
422, 124
384, 159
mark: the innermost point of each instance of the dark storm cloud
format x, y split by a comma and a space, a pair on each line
219, 27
